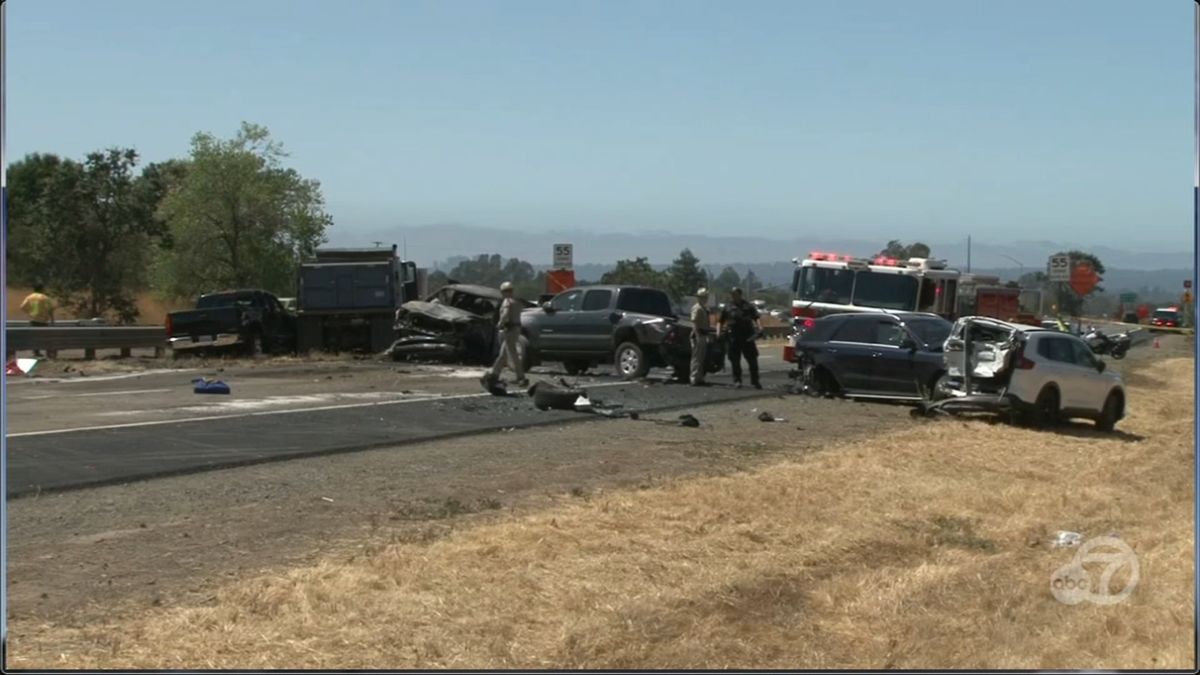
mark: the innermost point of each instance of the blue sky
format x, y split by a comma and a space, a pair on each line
1046, 119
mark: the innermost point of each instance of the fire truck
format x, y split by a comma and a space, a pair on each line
830, 283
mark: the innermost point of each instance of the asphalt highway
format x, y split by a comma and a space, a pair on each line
76, 432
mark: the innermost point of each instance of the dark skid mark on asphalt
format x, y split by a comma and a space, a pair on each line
90, 458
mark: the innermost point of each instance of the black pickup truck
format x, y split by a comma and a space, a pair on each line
633, 327
250, 321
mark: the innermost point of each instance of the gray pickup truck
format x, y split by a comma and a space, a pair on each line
633, 327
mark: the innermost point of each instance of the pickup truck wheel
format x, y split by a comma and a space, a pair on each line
631, 361
1107, 421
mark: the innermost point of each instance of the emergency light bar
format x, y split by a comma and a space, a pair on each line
832, 257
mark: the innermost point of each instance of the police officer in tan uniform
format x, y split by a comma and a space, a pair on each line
509, 325
701, 329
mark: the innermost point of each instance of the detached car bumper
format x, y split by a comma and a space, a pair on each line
204, 341
969, 403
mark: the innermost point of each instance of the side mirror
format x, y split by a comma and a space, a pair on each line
615, 317
909, 344
1100, 365
547, 308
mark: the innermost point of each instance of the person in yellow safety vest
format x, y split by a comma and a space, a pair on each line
40, 309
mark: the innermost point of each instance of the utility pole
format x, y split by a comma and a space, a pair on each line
968, 254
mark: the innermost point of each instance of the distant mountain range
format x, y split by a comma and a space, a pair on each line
439, 246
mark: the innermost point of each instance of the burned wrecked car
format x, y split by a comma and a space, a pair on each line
457, 323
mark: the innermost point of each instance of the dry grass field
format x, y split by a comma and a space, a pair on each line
927, 548
152, 310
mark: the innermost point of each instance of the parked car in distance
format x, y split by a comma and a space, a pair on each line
1130, 317
1166, 317
893, 355
248, 320
1044, 376
633, 327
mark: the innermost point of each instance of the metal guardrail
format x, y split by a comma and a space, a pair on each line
24, 323
85, 337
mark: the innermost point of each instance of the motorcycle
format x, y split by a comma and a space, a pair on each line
1113, 345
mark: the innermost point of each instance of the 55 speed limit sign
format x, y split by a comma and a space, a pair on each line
1060, 268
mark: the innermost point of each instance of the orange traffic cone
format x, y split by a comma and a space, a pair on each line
11, 369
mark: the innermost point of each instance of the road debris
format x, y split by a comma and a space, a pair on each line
549, 396
1064, 539
206, 386
18, 367
494, 387
765, 416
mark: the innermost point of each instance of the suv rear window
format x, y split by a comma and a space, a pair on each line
644, 301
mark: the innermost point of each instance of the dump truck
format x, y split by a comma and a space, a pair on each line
346, 298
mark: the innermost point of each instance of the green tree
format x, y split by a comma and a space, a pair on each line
898, 250
751, 284
1068, 302
158, 180
484, 269
685, 274
436, 280
636, 272
727, 279
32, 210
238, 218
83, 230
491, 270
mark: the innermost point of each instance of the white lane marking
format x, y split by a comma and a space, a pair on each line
220, 403
205, 418
10, 381
98, 393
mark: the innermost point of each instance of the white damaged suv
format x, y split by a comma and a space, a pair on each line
1043, 376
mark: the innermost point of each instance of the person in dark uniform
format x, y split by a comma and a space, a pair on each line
739, 326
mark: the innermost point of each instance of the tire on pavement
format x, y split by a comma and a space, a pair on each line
630, 361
